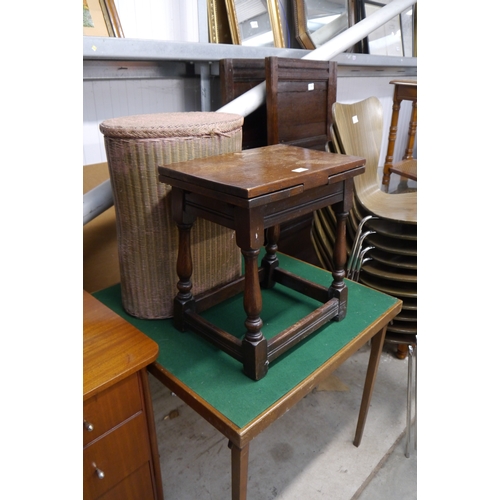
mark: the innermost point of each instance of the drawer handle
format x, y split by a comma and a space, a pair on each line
88, 426
100, 473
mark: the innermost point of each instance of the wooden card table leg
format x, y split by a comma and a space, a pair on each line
377, 344
239, 471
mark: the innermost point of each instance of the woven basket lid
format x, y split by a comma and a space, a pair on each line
160, 125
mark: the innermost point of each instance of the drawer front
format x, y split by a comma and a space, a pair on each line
111, 407
137, 486
116, 455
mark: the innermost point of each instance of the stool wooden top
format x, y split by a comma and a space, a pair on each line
261, 171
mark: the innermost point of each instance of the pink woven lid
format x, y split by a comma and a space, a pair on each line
158, 125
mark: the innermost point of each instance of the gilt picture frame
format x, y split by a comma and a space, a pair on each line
218, 22
255, 22
317, 24
100, 18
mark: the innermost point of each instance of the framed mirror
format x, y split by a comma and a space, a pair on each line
100, 18
386, 40
317, 21
255, 23
397, 36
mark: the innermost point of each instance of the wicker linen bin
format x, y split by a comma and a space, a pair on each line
146, 233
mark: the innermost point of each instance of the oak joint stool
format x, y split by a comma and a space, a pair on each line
250, 192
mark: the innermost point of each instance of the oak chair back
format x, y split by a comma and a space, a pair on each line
299, 98
237, 76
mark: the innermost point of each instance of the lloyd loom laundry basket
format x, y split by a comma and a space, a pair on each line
147, 235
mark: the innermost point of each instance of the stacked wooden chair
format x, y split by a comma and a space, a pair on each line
357, 130
389, 224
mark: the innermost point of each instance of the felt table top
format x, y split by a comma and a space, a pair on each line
219, 379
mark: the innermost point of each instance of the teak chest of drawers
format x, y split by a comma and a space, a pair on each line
250, 192
120, 452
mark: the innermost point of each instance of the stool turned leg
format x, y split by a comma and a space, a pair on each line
270, 262
254, 345
338, 288
184, 298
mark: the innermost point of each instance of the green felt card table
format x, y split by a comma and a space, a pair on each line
251, 192
214, 384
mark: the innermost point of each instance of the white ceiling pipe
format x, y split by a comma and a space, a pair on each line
360, 30
253, 98
101, 198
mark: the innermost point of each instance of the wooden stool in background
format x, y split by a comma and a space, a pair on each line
404, 90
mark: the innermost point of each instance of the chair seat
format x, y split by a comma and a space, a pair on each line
405, 168
396, 207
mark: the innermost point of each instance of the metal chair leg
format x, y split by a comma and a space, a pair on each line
409, 393
415, 431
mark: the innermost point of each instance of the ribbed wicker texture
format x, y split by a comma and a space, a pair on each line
147, 235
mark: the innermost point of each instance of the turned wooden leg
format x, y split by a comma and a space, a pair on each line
254, 345
184, 298
402, 351
377, 344
239, 472
412, 131
270, 261
393, 130
338, 288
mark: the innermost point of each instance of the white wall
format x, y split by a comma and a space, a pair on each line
178, 20
175, 20
113, 98
104, 99
171, 20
